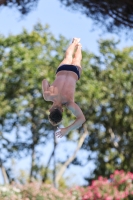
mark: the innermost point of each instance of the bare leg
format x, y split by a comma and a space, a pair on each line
69, 52
77, 56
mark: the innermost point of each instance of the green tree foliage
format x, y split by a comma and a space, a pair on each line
26, 59
108, 106
104, 93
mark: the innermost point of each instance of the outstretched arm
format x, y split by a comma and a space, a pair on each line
80, 119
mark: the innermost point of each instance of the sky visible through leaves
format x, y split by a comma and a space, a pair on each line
59, 20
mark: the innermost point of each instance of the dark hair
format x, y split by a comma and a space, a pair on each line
55, 116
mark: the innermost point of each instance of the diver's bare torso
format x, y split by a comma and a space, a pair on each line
61, 91
63, 88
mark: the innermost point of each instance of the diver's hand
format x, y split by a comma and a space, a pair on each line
61, 132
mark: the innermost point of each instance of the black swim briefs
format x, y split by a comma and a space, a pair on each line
72, 68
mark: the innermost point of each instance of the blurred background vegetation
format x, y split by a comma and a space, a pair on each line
104, 94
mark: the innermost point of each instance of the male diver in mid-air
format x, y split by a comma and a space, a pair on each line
61, 91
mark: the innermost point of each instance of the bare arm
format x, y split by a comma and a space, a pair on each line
45, 87
80, 119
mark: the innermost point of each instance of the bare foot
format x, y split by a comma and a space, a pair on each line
76, 40
79, 45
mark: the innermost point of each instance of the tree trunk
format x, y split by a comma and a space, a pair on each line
5, 178
54, 161
46, 170
2, 2
32, 163
63, 168
4, 174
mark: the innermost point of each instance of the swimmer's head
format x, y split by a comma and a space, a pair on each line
55, 116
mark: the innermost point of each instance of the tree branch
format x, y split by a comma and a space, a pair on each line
63, 168
4, 174
52, 154
2, 2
